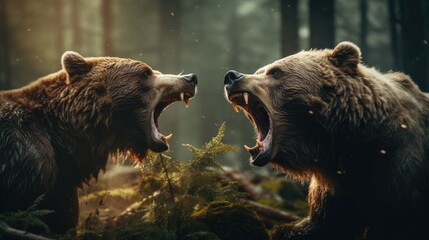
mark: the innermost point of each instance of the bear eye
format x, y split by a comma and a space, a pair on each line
276, 73
146, 73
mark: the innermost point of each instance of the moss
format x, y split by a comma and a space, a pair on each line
192, 226
232, 221
279, 232
285, 188
298, 207
125, 193
201, 236
293, 195
90, 235
150, 184
139, 231
29, 219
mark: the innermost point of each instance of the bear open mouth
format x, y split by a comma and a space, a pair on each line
157, 136
258, 114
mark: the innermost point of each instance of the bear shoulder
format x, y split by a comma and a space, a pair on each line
402, 79
27, 163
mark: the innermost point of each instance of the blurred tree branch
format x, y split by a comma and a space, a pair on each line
12, 232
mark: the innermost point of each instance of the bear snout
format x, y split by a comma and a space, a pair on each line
232, 76
191, 78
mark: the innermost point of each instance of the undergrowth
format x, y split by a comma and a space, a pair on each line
174, 200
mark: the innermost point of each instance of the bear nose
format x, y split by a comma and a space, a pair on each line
232, 76
191, 78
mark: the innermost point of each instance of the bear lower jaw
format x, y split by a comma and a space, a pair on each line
261, 153
258, 114
261, 160
157, 141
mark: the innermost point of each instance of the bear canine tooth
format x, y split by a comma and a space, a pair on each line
247, 148
166, 138
259, 143
182, 96
246, 97
234, 106
187, 103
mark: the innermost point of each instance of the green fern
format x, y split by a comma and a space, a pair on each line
205, 157
172, 190
29, 219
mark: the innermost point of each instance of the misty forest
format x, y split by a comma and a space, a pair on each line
203, 186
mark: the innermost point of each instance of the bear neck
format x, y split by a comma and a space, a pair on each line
370, 100
368, 117
78, 123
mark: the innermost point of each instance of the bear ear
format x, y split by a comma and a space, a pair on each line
346, 55
74, 64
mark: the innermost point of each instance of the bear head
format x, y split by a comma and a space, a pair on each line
293, 102
116, 102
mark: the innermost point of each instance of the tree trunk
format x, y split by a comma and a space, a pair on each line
59, 26
394, 24
170, 28
414, 43
289, 27
426, 27
169, 55
363, 26
75, 24
106, 13
233, 37
322, 32
5, 78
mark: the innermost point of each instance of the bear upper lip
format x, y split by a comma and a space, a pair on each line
258, 114
161, 140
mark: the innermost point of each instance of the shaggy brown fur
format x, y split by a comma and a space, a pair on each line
359, 136
59, 131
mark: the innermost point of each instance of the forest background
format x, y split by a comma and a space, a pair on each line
208, 38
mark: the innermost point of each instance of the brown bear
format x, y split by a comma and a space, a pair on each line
359, 136
59, 131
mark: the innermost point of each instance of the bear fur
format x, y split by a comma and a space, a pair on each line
359, 136
59, 131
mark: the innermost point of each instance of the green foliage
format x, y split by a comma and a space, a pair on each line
175, 200
93, 223
285, 187
279, 232
126, 193
170, 192
232, 221
205, 157
175, 189
29, 219
292, 197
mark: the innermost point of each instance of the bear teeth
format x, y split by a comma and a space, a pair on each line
247, 148
185, 99
234, 106
246, 97
166, 138
259, 143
